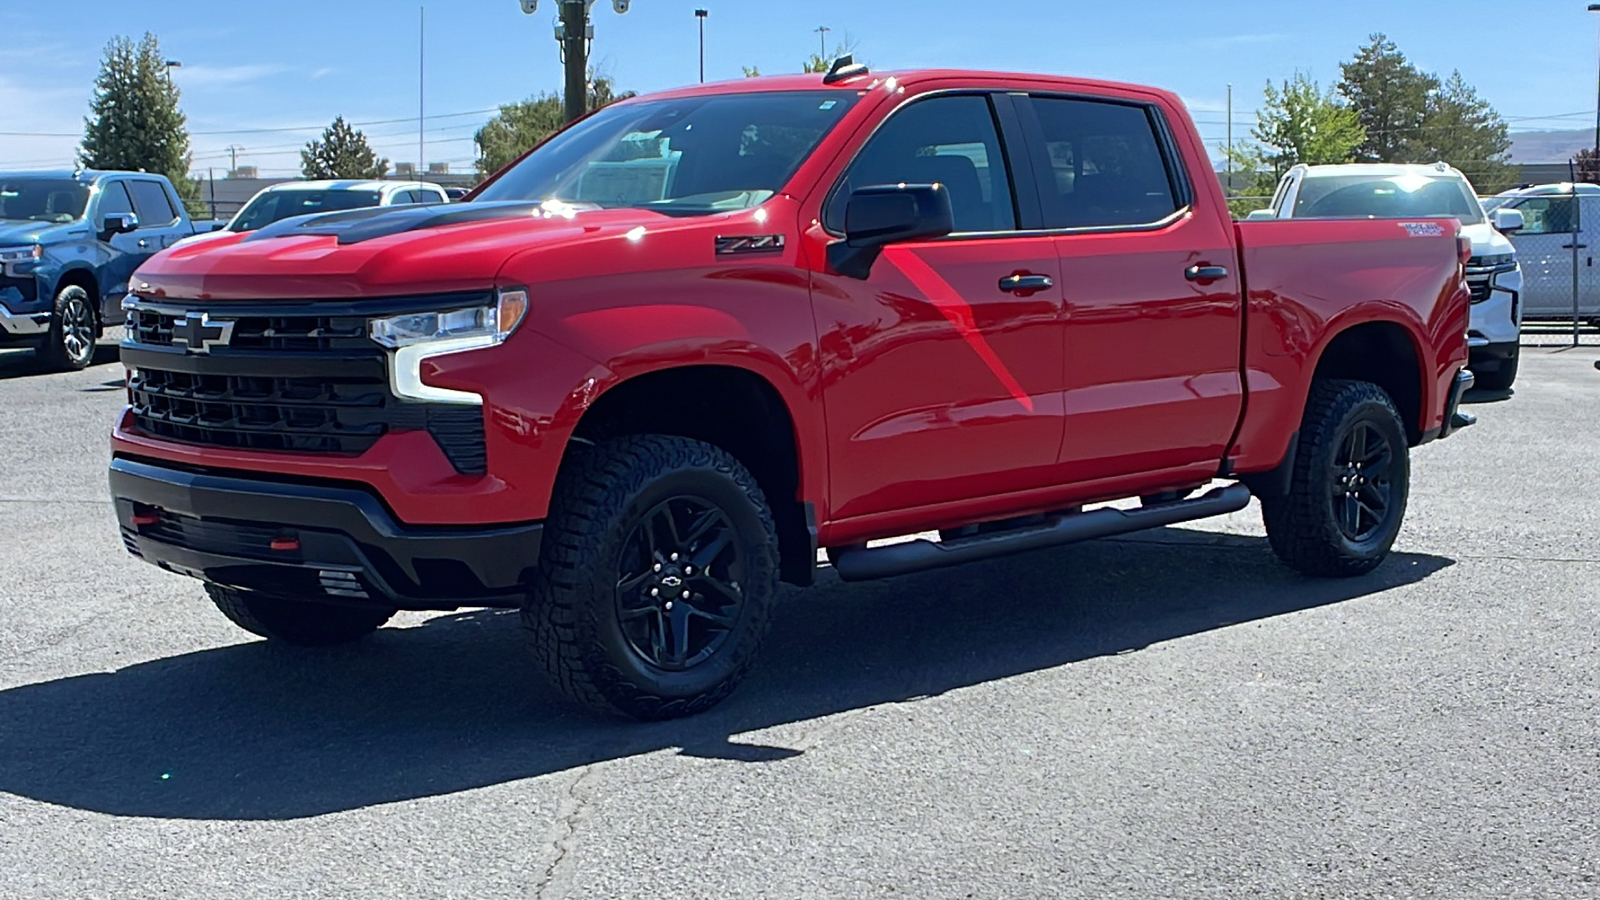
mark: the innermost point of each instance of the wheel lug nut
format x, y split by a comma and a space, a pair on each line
655, 592
674, 557
669, 604
688, 570
685, 595
658, 567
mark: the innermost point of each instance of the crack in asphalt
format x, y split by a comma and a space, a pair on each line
570, 814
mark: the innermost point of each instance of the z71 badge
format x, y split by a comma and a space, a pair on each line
1423, 229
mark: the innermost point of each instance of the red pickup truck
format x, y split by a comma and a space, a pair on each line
649, 370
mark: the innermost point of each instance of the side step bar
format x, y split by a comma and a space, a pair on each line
862, 563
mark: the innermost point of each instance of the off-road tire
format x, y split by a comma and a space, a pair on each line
594, 540
1502, 378
299, 622
1304, 525
70, 343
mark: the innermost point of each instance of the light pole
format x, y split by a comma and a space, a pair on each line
701, 15
822, 41
168, 66
1595, 161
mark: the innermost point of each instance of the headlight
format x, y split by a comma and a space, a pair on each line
415, 337
21, 254
486, 324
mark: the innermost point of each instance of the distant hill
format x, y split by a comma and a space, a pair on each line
1549, 146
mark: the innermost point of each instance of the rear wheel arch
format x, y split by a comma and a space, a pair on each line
1385, 353
730, 407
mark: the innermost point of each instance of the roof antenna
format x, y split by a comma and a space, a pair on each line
844, 68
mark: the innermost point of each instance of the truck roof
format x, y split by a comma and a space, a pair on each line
348, 184
87, 176
903, 77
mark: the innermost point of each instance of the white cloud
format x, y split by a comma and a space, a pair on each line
204, 77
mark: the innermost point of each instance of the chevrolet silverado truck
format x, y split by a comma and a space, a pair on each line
668, 358
68, 243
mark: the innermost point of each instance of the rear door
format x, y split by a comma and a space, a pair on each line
940, 374
1152, 298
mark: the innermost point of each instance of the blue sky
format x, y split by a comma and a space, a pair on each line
292, 65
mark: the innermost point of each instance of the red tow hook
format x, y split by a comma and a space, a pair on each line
285, 544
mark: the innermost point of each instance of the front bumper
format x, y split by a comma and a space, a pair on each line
21, 324
1491, 357
314, 541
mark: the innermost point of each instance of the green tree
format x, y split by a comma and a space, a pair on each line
1587, 163
519, 127
1463, 129
343, 152
1390, 95
134, 122
1297, 123
818, 64
751, 71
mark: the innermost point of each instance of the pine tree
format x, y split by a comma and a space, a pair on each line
1461, 128
1391, 97
134, 122
343, 152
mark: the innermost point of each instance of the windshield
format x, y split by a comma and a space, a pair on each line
1397, 197
272, 206
54, 200
691, 155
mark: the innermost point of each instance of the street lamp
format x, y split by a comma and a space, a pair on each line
168, 66
701, 15
1595, 7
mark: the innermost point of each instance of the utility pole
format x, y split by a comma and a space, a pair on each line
822, 41
1230, 140
422, 31
575, 30
233, 158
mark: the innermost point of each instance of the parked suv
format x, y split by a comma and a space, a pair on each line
68, 243
662, 360
1493, 272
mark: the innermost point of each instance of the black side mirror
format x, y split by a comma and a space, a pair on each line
118, 223
887, 214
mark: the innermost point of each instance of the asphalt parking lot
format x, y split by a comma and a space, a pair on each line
1168, 715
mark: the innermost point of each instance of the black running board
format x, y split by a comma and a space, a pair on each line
862, 563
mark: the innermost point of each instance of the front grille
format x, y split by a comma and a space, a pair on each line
27, 287
1480, 289
202, 398
306, 415
283, 333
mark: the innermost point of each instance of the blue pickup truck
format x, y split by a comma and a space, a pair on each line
69, 241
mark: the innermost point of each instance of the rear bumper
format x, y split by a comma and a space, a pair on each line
314, 541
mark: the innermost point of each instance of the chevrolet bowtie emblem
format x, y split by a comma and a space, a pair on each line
196, 333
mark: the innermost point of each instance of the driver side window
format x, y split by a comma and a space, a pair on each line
949, 140
1548, 215
114, 200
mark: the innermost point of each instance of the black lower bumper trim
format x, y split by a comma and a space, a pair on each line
1454, 418
314, 541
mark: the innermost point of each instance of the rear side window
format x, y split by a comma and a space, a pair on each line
949, 140
151, 204
1106, 167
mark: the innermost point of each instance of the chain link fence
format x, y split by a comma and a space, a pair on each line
1557, 249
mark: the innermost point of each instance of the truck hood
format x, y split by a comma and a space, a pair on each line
1486, 241
395, 251
21, 232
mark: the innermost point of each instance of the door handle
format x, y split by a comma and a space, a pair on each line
1020, 283
1205, 273
144, 244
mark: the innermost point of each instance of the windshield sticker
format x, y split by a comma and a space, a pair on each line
1423, 229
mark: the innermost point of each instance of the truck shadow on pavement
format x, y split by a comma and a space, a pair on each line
23, 363
252, 731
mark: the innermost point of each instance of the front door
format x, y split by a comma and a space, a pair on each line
1153, 308
941, 372
126, 253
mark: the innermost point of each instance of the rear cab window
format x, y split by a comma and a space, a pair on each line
1104, 164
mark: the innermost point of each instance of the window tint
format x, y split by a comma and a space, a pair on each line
273, 206
1399, 196
53, 200
114, 200
151, 204
1106, 165
945, 140
400, 198
1547, 215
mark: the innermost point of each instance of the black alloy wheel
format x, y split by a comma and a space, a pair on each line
71, 339
1361, 483
678, 594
